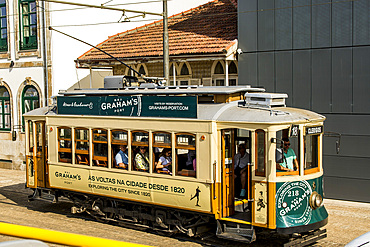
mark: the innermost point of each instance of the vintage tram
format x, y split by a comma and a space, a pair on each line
71, 150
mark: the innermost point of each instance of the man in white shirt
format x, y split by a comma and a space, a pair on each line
241, 160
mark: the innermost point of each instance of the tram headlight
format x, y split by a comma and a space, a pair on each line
316, 200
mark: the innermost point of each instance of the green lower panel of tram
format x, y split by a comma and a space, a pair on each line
296, 203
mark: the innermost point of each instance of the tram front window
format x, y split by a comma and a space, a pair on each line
311, 159
288, 151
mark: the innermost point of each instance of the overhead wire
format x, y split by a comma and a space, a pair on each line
181, 16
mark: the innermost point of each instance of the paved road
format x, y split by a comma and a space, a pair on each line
347, 220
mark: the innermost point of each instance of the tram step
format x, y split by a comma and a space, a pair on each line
238, 232
43, 196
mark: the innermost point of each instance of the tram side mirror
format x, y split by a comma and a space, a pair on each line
279, 155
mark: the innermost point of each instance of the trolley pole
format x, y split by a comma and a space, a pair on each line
166, 55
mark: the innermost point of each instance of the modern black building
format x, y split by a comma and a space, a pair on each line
317, 51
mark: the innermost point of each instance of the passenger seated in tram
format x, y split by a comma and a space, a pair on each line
241, 160
142, 159
122, 157
290, 162
190, 161
164, 164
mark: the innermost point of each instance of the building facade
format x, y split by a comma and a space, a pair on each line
25, 72
202, 41
317, 51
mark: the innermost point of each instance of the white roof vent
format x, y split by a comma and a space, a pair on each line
267, 100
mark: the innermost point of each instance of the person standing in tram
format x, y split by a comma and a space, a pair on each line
241, 160
142, 159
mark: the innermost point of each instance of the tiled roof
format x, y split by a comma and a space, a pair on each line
208, 29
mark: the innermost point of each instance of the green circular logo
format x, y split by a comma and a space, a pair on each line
292, 203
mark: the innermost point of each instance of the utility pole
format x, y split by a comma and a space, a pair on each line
166, 55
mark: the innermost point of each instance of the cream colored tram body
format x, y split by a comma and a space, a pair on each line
71, 151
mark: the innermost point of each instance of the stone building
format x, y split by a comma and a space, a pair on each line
25, 72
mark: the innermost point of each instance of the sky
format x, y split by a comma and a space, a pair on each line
94, 26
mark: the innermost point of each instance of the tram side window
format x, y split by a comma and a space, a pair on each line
185, 155
311, 147
100, 147
162, 153
139, 149
30, 136
290, 148
65, 145
82, 146
260, 153
119, 149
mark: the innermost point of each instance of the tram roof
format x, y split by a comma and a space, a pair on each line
227, 112
168, 90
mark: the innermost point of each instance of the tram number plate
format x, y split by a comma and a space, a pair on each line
294, 131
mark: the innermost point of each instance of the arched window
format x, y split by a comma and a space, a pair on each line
4, 109
232, 68
219, 69
142, 70
30, 100
184, 70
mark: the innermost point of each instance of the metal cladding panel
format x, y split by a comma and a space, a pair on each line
265, 25
361, 76
341, 23
247, 25
351, 189
321, 19
248, 75
346, 167
350, 146
348, 124
266, 71
321, 80
342, 80
284, 75
283, 24
361, 22
302, 79
301, 24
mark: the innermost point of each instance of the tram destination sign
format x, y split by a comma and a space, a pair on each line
135, 106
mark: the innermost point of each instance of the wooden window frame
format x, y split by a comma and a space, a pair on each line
64, 150
4, 41
260, 174
118, 142
79, 151
97, 158
315, 169
160, 145
31, 43
138, 144
186, 147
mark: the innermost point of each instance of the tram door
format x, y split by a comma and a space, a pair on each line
228, 153
40, 158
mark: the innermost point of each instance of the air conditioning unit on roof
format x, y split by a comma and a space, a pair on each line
267, 100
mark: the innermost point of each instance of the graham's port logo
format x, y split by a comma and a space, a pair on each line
68, 175
292, 203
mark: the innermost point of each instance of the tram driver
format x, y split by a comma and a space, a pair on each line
122, 157
241, 160
290, 162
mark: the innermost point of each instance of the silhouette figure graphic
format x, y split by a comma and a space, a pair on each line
197, 196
